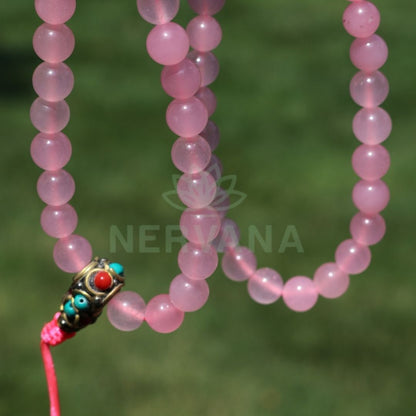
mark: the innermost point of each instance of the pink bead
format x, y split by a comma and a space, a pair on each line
162, 316
300, 293
367, 229
361, 19
369, 54
229, 235
167, 44
204, 33
126, 310
330, 281
200, 226
371, 197
191, 155
72, 253
59, 221
208, 66
55, 12
221, 202
196, 190
372, 125
197, 262
352, 258
265, 286
56, 187
370, 162
239, 263
53, 44
188, 295
49, 117
208, 98
211, 134
187, 118
158, 12
53, 82
206, 6
182, 80
214, 167
51, 152
369, 90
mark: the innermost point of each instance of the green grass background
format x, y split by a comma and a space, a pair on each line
285, 115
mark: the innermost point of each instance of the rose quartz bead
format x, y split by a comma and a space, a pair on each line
188, 295
300, 294
191, 155
55, 12
369, 54
228, 237
206, 6
196, 190
56, 187
239, 263
371, 197
204, 33
59, 221
126, 310
162, 316
167, 44
367, 229
214, 167
265, 286
330, 281
53, 82
187, 118
351, 257
72, 253
197, 262
369, 90
372, 125
158, 12
208, 98
371, 162
182, 80
361, 19
53, 44
208, 66
49, 117
200, 226
211, 134
221, 202
51, 152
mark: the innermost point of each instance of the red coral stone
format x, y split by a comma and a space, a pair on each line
103, 280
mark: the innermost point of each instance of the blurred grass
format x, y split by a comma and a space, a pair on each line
285, 114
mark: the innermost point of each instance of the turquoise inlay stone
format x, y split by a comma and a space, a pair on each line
81, 302
118, 268
69, 309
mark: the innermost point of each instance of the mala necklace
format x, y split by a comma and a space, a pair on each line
185, 77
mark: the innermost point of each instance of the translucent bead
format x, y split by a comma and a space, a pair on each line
300, 294
208, 98
188, 295
239, 263
196, 190
361, 19
56, 187
191, 155
126, 310
369, 90
187, 118
167, 44
197, 262
51, 152
158, 12
55, 12
221, 202
72, 253
229, 236
265, 286
49, 117
52, 43
206, 6
182, 80
330, 281
371, 162
162, 316
372, 125
369, 54
371, 197
208, 66
214, 167
200, 226
367, 229
351, 257
211, 134
204, 33
53, 82
59, 221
